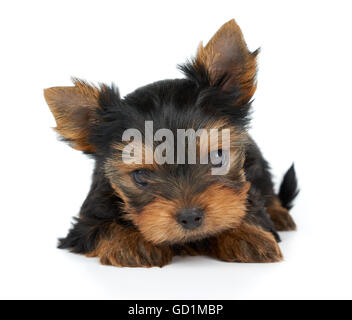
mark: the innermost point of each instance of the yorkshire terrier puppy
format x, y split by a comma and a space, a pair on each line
142, 213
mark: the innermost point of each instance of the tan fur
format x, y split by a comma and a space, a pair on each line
227, 52
280, 216
224, 209
237, 138
74, 109
127, 248
131, 165
248, 243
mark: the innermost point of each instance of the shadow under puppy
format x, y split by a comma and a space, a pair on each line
141, 215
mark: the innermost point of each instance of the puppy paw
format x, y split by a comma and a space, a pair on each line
129, 249
247, 244
141, 255
280, 217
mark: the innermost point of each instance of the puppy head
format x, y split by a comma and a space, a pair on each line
179, 200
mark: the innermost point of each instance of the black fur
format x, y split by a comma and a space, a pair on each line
257, 214
100, 208
288, 188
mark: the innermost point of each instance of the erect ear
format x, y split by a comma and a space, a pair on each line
75, 111
227, 62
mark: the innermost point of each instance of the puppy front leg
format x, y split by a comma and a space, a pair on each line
125, 247
248, 243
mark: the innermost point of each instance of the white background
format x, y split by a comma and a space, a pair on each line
302, 114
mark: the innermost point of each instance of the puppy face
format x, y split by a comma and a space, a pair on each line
175, 203
170, 202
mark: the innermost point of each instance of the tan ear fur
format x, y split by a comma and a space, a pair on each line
74, 109
227, 54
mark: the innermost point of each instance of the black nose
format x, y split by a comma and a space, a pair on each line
190, 218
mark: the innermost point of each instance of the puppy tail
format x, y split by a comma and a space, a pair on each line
288, 188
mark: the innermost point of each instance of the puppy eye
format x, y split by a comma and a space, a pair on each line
140, 177
216, 158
